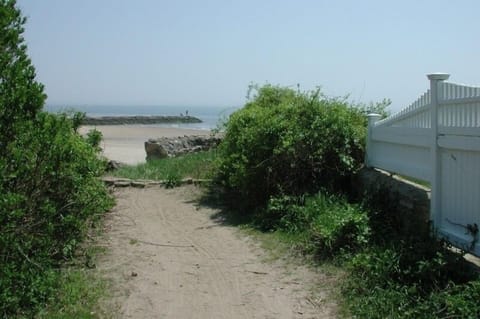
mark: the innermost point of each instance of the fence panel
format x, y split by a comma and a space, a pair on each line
460, 196
437, 139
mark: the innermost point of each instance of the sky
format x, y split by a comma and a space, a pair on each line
206, 53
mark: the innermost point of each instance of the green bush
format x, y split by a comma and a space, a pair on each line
94, 138
21, 97
458, 301
49, 188
405, 272
338, 225
285, 142
329, 223
419, 278
286, 213
48, 192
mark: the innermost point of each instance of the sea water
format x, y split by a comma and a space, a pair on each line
211, 116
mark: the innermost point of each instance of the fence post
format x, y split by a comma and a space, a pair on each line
436, 80
372, 119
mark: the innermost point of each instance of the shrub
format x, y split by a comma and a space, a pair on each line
48, 186
458, 301
48, 192
406, 272
419, 278
338, 226
285, 142
21, 97
93, 138
287, 213
329, 223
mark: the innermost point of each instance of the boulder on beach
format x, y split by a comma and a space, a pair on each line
174, 146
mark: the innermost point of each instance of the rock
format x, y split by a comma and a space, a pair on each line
113, 165
141, 183
170, 147
122, 184
113, 181
155, 150
138, 184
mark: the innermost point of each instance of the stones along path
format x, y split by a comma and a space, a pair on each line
169, 257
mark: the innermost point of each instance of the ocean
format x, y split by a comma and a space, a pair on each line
211, 116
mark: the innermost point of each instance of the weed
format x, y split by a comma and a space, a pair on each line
197, 165
76, 296
172, 180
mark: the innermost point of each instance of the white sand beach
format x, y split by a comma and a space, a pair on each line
125, 143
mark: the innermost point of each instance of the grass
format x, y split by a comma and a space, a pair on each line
196, 165
277, 244
77, 296
80, 288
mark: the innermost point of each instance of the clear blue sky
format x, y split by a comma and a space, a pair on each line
191, 52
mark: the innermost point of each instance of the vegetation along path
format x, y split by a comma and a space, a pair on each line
170, 257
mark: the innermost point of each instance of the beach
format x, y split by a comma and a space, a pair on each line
125, 143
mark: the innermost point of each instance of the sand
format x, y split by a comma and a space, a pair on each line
169, 256
125, 143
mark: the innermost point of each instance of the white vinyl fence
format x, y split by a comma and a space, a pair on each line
437, 139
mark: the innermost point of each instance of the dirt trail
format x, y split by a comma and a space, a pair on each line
169, 258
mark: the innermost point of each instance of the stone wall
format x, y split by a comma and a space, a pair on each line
411, 200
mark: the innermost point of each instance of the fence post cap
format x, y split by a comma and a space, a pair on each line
438, 76
373, 118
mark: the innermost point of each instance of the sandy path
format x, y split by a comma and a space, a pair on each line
169, 258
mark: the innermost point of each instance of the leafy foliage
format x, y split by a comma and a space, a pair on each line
290, 143
21, 97
48, 186
412, 279
339, 226
94, 138
329, 223
380, 108
77, 297
285, 145
48, 191
405, 272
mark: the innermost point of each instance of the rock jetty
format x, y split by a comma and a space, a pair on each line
139, 119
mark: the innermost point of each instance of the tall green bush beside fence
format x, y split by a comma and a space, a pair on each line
289, 142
